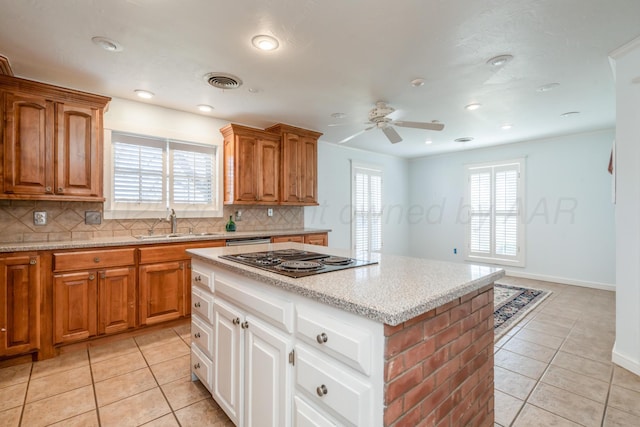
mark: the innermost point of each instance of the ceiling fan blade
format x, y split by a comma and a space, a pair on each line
419, 125
391, 134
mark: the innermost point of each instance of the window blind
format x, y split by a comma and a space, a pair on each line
495, 227
367, 209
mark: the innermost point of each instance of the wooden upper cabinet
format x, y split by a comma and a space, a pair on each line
251, 166
51, 142
299, 174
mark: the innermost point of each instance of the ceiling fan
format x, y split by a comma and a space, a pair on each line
378, 119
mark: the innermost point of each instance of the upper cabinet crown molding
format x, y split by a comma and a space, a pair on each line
5, 67
50, 142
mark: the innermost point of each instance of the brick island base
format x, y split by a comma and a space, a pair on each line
439, 365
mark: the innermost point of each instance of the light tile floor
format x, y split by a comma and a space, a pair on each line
552, 369
142, 380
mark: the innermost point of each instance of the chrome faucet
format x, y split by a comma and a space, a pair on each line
173, 219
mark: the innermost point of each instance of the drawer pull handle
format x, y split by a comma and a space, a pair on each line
196, 366
3, 330
236, 321
197, 305
60, 190
96, 259
47, 189
197, 335
322, 390
198, 279
322, 338
245, 325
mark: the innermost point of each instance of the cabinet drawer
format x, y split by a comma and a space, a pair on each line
93, 259
202, 303
202, 367
285, 239
335, 337
334, 389
306, 416
202, 276
202, 335
278, 312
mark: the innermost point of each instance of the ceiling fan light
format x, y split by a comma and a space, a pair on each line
417, 82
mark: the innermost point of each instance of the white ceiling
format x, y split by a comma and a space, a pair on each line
341, 56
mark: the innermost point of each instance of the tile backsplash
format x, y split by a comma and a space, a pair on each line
66, 221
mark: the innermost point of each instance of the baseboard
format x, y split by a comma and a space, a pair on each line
624, 361
563, 280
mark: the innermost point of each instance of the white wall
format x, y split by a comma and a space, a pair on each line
570, 234
334, 196
626, 351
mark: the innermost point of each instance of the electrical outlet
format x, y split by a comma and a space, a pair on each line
238, 215
270, 212
92, 218
455, 251
40, 218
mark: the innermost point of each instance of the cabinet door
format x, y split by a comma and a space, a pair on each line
74, 306
78, 151
246, 184
316, 239
308, 170
267, 373
269, 170
285, 239
20, 305
116, 298
28, 128
290, 164
162, 292
227, 351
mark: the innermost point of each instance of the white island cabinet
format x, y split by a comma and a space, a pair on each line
356, 347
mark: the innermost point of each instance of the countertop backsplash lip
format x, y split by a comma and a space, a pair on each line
6, 247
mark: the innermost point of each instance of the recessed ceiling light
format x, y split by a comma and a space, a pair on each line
472, 107
547, 87
417, 82
253, 90
338, 115
464, 139
264, 42
107, 44
428, 141
569, 113
500, 60
144, 93
205, 108
506, 126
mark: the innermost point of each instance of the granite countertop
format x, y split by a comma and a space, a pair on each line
396, 289
133, 241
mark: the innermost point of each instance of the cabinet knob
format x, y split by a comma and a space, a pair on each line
245, 325
198, 279
197, 335
3, 329
96, 259
197, 305
47, 189
236, 321
322, 390
60, 190
196, 366
322, 338
92, 276
33, 261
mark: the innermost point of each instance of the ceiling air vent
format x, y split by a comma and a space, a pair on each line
223, 80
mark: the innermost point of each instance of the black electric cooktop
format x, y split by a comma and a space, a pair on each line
296, 262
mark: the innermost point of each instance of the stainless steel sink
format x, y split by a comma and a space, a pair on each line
174, 235
160, 236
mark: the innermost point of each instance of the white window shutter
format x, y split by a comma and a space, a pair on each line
367, 209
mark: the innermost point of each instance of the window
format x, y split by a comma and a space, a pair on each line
149, 175
495, 197
367, 208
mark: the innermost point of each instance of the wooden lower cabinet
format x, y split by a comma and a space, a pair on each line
92, 302
320, 239
162, 291
19, 304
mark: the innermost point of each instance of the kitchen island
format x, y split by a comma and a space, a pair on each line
405, 341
